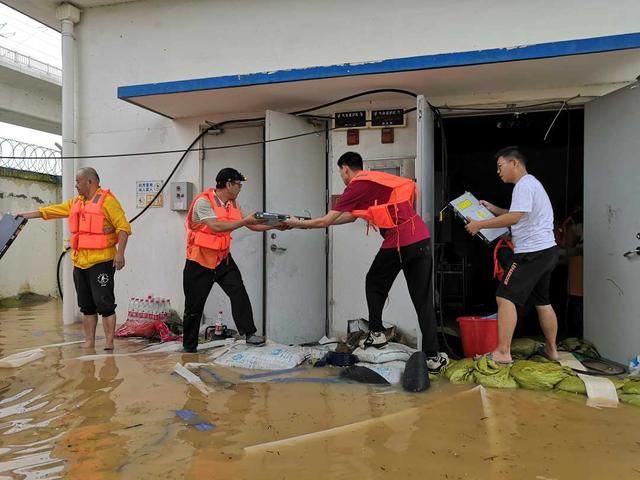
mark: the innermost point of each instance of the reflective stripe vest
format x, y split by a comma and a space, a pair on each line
87, 222
498, 270
385, 215
200, 237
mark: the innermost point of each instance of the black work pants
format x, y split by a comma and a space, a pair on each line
415, 262
197, 282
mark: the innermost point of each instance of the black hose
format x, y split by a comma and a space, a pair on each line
227, 122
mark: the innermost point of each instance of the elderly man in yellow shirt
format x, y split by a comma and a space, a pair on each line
99, 234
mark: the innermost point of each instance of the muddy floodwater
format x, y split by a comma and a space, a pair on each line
77, 413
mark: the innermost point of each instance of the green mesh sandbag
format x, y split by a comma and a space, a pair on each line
489, 374
577, 345
575, 384
630, 399
572, 384
538, 376
631, 387
523, 348
460, 371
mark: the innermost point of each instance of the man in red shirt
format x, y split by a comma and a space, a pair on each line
405, 247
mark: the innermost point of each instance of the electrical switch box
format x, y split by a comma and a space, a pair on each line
181, 196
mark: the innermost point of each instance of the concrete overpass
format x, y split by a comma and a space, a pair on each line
30, 92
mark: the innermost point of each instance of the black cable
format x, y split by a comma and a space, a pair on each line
361, 94
299, 112
218, 125
508, 109
438, 248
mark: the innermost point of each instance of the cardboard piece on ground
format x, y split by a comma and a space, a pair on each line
191, 378
601, 392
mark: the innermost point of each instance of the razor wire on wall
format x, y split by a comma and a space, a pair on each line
36, 158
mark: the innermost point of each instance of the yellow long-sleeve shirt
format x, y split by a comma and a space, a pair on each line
114, 217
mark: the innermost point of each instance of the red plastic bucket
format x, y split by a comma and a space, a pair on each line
479, 335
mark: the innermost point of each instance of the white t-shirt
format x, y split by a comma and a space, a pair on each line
534, 231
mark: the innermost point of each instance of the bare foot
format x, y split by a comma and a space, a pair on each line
501, 357
87, 344
551, 352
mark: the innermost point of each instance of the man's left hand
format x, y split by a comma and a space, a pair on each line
473, 227
118, 261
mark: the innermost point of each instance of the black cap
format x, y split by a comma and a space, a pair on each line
229, 175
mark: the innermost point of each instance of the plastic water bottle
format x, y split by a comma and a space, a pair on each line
134, 314
219, 326
168, 309
131, 306
155, 310
146, 310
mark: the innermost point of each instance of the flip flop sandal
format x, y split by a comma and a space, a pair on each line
490, 357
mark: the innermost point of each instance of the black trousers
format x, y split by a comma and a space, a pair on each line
197, 282
415, 262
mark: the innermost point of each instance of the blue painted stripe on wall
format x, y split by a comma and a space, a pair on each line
424, 62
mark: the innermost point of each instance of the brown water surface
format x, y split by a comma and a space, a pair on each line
114, 416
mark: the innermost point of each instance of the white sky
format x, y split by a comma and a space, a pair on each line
29, 37
25, 35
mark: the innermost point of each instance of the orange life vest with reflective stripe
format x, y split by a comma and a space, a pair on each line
204, 246
87, 222
385, 215
498, 271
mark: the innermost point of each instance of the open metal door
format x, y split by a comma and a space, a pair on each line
425, 177
295, 267
611, 223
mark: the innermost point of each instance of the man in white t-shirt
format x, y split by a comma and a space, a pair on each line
535, 253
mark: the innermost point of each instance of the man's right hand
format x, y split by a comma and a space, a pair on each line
252, 220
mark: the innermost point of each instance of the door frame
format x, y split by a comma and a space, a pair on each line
265, 238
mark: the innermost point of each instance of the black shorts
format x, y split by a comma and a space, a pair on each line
529, 276
94, 287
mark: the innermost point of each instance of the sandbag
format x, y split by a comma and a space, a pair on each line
390, 371
630, 399
538, 376
460, 371
269, 357
578, 345
631, 387
523, 348
489, 374
392, 352
572, 384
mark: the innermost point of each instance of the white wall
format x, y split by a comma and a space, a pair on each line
163, 40
30, 263
174, 40
352, 250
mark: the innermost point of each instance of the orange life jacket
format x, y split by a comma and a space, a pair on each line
204, 246
498, 271
87, 222
385, 215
